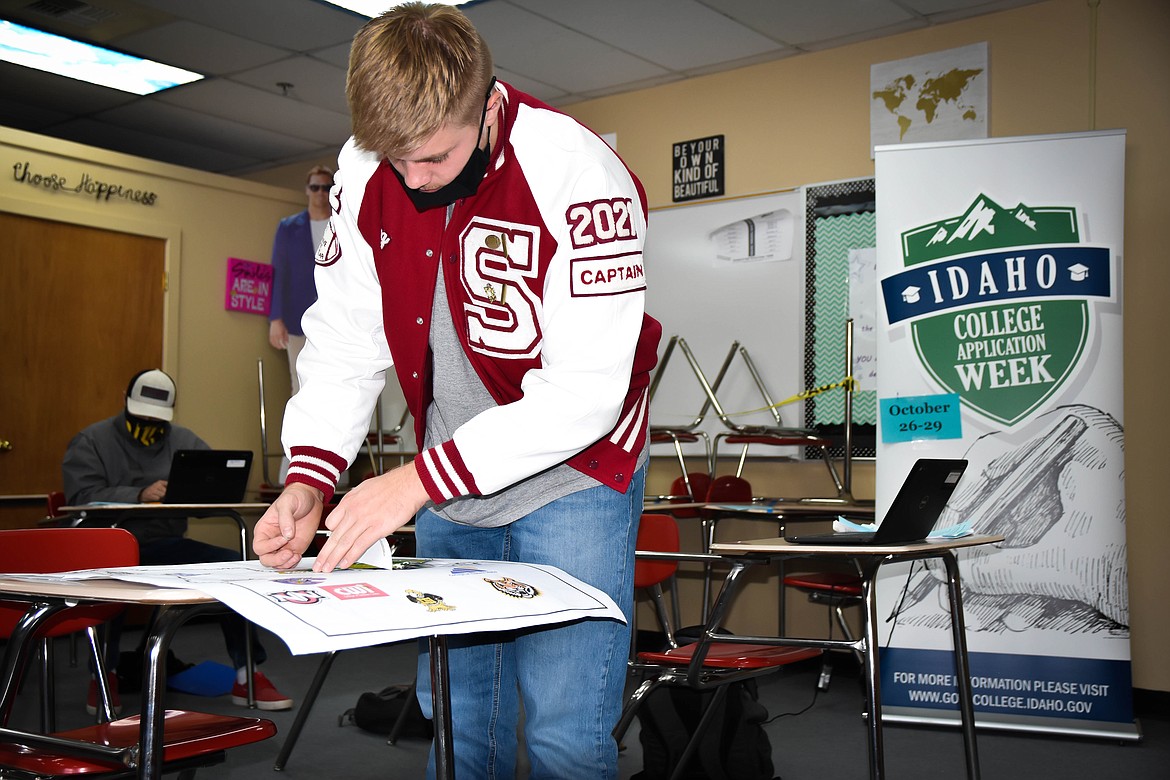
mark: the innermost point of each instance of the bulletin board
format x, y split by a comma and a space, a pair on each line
840, 233
722, 271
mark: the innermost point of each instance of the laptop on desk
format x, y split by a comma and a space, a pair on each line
915, 510
208, 477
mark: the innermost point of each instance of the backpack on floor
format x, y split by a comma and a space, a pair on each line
378, 711
733, 747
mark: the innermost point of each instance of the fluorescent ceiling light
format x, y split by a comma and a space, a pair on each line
372, 8
66, 57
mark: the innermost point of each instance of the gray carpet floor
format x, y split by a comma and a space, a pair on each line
825, 741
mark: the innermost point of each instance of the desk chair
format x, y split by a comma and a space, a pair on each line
726, 489
658, 533
689, 433
701, 665
836, 590
53, 503
379, 439
46, 550
109, 751
746, 435
693, 488
54, 517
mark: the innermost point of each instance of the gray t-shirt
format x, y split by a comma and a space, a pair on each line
459, 395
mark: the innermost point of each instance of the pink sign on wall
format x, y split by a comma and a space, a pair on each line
249, 286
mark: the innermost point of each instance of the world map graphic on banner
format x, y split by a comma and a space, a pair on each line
940, 96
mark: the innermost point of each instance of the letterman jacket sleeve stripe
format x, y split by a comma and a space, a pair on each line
626, 434
444, 474
315, 468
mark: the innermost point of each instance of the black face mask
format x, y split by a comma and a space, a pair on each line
463, 185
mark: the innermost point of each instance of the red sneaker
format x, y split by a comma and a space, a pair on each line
91, 700
267, 697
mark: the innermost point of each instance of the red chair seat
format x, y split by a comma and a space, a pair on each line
733, 655
775, 440
186, 735
836, 583
662, 437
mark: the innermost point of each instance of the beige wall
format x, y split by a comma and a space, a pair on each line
806, 120
205, 219
789, 123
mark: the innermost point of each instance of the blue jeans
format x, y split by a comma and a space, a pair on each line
569, 677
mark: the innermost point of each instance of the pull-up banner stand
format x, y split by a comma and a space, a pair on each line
999, 264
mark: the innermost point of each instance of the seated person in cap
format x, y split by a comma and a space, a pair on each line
126, 459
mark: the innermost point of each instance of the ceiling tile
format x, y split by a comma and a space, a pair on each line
548, 52
48, 90
335, 55
199, 48
200, 129
537, 89
298, 25
561, 51
800, 22
242, 103
312, 81
687, 34
151, 146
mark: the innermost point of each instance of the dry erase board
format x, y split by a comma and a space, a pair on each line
724, 271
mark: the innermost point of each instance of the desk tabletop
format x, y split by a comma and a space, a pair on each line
102, 590
80, 509
780, 507
315, 612
768, 506
781, 546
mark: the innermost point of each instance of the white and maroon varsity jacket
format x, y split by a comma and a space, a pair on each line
544, 278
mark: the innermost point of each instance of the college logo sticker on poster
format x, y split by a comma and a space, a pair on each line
998, 302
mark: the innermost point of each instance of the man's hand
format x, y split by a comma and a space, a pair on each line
278, 334
371, 511
153, 492
284, 531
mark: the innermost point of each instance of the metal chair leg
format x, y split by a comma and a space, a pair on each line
636, 698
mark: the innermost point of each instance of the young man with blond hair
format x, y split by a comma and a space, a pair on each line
489, 249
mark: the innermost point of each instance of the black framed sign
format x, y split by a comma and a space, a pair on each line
698, 169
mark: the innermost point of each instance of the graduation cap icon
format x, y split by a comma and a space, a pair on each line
910, 294
1079, 272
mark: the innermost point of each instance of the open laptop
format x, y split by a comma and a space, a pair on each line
915, 510
208, 477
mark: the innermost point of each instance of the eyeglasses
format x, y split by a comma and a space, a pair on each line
319, 187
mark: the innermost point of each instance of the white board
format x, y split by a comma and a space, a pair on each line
724, 271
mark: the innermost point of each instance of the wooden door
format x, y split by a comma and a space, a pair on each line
83, 313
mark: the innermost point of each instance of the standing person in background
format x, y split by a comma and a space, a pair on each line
293, 288
488, 248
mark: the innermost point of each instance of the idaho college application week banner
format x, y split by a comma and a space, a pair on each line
1000, 285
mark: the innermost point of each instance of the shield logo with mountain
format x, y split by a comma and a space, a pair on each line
998, 302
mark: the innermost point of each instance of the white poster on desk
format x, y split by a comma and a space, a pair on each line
1000, 270
318, 612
